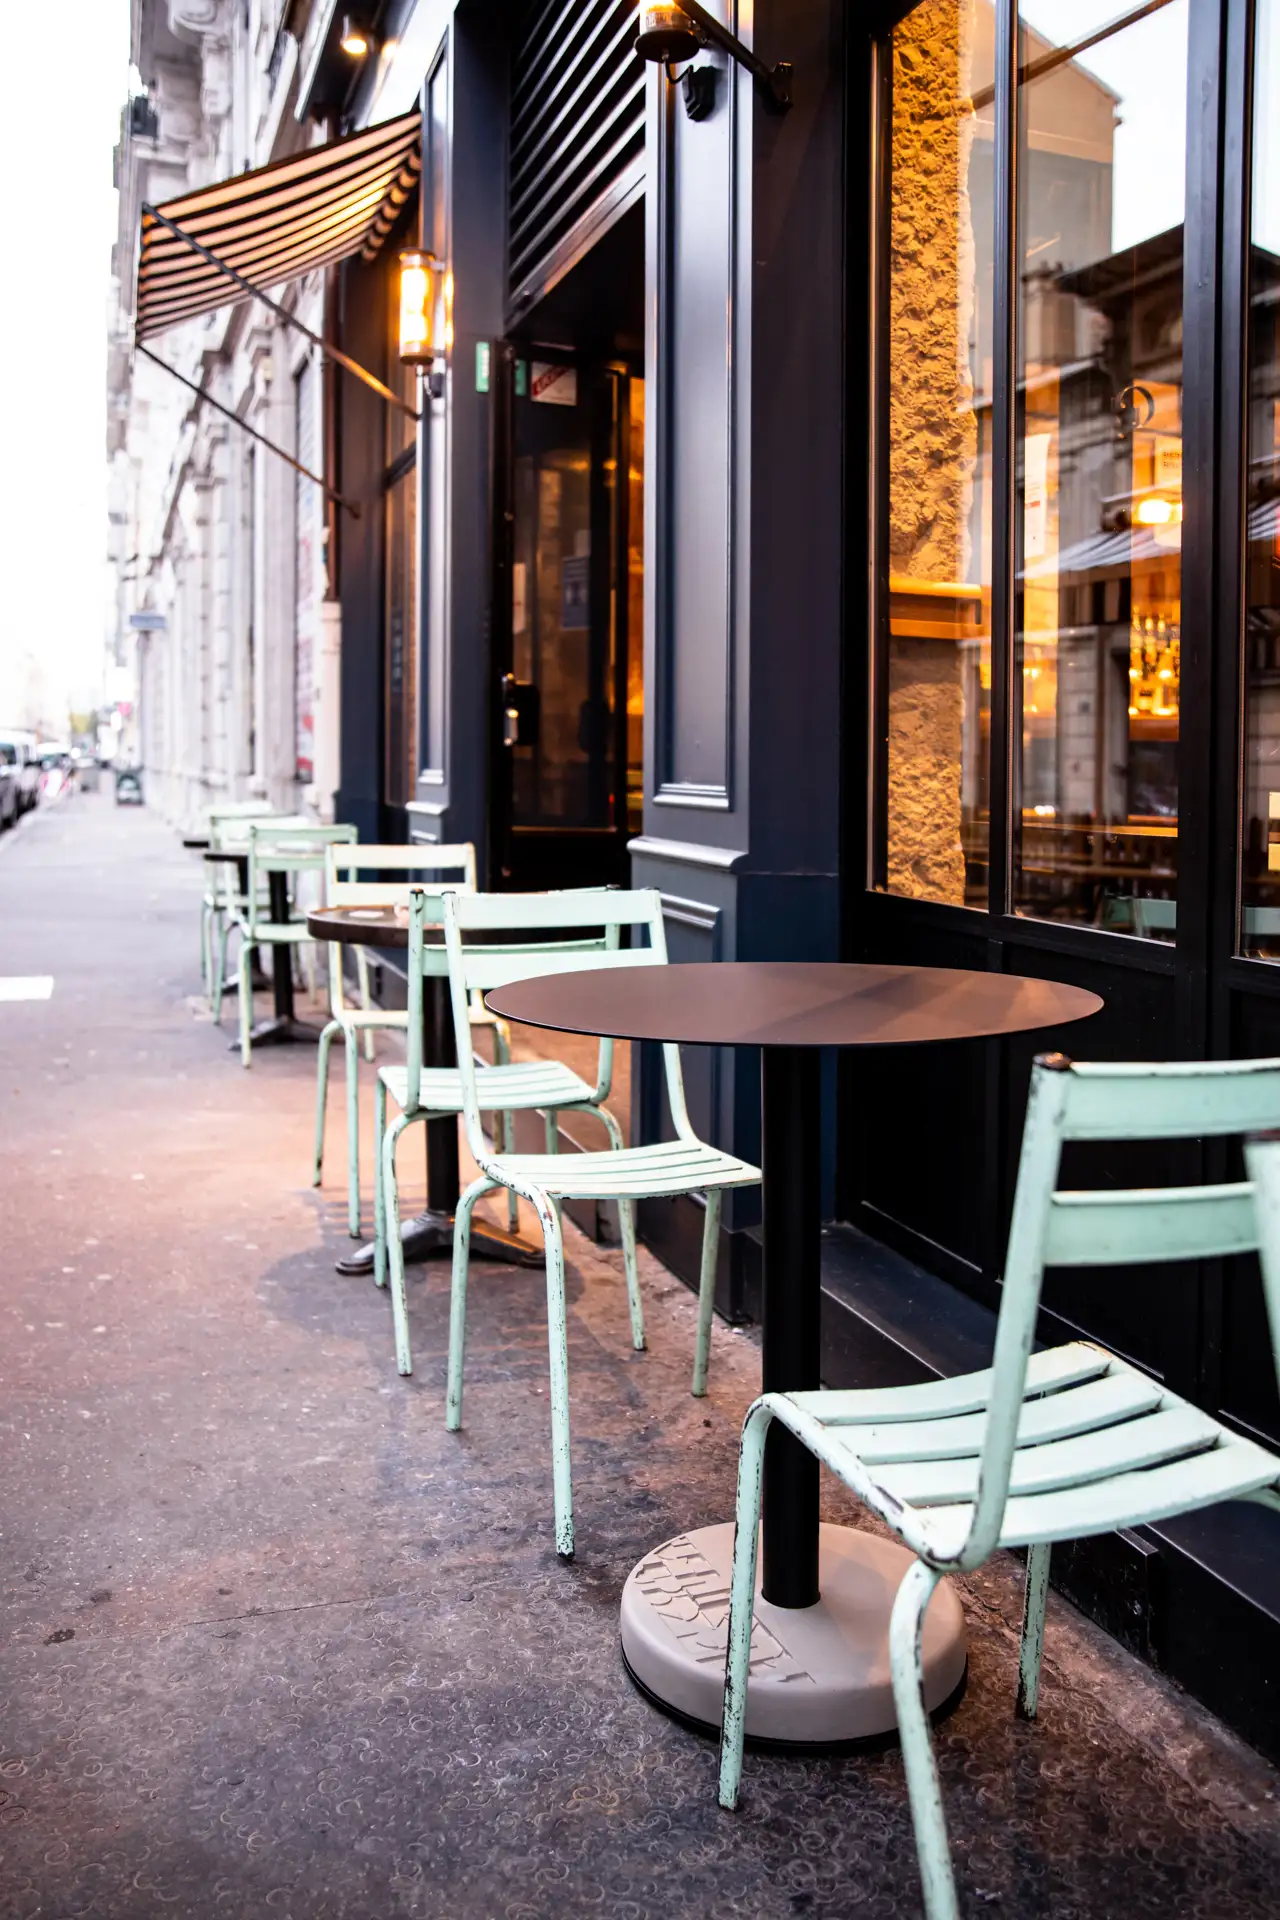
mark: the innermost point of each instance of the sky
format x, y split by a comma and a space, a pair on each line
56, 141
1146, 65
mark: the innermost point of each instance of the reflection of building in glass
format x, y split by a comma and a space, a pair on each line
1260, 824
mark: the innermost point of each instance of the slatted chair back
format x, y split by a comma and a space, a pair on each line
399, 870
1134, 1226
276, 846
1262, 1164
582, 931
403, 868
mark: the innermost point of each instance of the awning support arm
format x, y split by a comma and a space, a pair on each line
290, 319
202, 393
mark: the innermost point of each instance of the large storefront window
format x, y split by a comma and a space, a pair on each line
1259, 931
935, 683
1089, 654
1101, 171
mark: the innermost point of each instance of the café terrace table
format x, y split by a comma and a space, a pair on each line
283, 1027
429, 1233
819, 1665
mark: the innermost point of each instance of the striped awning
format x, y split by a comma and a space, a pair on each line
276, 223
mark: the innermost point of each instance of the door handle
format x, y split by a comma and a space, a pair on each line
510, 726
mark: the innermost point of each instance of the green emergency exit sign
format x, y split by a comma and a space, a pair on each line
482, 366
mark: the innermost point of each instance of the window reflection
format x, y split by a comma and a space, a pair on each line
1260, 852
1101, 168
935, 657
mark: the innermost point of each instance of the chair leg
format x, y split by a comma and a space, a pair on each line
379, 1203
551, 1130
923, 1790
458, 1300
322, 1092
366, 998
353, 1133
742, 1600
219, 966
206, 964
1037, 1592
507, 1123
395, 1245
246, 1000
635, 1305
706, 1291
558, 1360
627, 1228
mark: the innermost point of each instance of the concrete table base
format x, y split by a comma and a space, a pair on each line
819, 1675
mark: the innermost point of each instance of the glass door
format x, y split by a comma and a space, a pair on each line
570, 686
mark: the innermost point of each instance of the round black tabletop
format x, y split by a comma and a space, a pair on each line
226, 854
768, 1003
196, 842
360, 926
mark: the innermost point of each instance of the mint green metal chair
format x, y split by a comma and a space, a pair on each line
625, 1174
343, 890
220, 897
542, 1086
276, 847
1039, 1447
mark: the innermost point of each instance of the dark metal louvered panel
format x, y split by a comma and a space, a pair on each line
577, 131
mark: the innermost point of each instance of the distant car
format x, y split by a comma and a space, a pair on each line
128, 787
10, 781
28, 767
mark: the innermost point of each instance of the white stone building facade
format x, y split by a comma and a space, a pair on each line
222, 596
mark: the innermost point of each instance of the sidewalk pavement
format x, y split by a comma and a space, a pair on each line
275, 1643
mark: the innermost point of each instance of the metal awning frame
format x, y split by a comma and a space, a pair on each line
203, 393
290, 319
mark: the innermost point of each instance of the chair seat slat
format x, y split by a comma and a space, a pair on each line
1056, 1416
1079, 1461
1227, 1472
943, 1399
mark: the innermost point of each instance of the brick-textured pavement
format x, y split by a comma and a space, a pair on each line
276, 1644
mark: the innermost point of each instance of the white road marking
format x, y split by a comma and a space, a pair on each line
26, 986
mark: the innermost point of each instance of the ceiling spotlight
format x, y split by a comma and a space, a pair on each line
354, 39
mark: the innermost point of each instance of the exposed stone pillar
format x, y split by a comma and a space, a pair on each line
932, 447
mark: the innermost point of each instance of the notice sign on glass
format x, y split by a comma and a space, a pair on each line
555, 386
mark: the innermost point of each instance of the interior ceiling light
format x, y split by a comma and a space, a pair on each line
669, 33
354, 39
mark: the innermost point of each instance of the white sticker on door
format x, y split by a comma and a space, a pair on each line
556, 386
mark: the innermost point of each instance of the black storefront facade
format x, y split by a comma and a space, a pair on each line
892, 577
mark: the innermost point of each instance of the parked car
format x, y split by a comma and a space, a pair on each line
29, 765
128, 787
10, 781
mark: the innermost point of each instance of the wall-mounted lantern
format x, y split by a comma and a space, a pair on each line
669, 33
417, 308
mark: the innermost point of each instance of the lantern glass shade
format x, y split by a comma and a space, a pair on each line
417, 299
666, 33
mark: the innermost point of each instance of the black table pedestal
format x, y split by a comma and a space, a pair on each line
429, 1235
790, 1357
284, 1028
820, 1652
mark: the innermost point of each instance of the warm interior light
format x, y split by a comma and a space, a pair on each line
666, 33
1155, 513
416, 300
353, 38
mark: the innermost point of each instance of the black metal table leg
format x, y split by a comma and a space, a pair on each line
430, 1234
791, 1117
284, 1027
